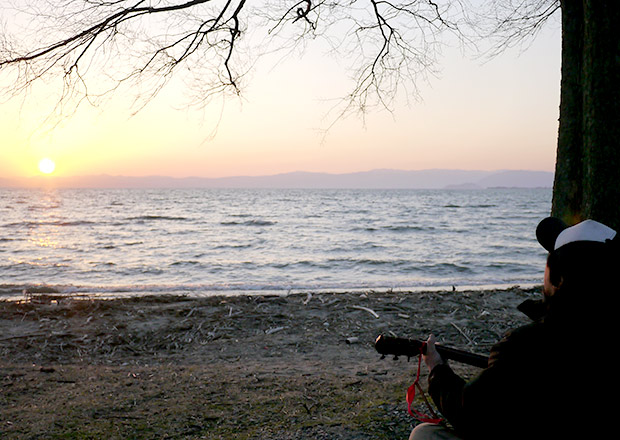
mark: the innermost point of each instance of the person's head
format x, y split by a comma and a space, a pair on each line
582, 256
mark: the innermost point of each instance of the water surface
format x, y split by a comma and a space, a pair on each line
208, 241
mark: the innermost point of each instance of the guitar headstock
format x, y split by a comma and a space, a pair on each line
388, 345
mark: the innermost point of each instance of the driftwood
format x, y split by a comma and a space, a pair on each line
48, 330
366, 309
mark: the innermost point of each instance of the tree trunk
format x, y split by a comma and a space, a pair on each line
602, 111
567, 187
587, 177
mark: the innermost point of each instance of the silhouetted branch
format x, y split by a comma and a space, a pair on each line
95, 46
513, 22
100, 28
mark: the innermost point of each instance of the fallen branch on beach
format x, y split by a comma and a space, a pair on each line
37, 335
366, 309
271, 331
29, 335
463, 333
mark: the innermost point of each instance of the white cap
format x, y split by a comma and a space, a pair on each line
587, 230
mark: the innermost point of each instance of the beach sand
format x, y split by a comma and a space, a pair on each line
300, 366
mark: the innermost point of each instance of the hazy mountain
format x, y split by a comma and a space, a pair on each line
529, 179
380, 179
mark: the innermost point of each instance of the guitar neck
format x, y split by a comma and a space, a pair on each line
387, 345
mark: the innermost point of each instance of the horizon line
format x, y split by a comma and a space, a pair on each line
283, 173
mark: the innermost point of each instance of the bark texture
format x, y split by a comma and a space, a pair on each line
588, 158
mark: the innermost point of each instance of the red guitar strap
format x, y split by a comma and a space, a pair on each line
411, 396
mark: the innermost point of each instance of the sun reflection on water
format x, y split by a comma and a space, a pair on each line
44, 239
43, 230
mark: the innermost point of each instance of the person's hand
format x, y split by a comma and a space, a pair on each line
431, 357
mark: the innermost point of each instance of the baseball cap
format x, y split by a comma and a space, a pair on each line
552, 233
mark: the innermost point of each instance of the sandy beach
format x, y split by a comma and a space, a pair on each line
243, 367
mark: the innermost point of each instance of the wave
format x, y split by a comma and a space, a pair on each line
368, 262
339, 263
109, 246
481, 205
249, 223
406, 228
25, 265
233, 246
43, 207
36, 224
448, 269
186, 263
145, 218
393, 228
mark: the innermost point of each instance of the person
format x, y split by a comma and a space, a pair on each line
553, 378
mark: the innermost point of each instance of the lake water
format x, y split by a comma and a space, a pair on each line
206, 241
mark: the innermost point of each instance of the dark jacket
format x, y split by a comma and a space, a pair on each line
540, 383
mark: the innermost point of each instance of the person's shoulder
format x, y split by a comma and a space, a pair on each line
535, 309
517, 342
533, 329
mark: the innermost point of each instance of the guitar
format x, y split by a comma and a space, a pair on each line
387, 345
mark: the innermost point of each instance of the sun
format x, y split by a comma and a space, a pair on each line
47, 165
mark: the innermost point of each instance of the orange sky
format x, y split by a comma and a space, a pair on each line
501, 114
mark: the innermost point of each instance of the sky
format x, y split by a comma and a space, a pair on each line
478, 114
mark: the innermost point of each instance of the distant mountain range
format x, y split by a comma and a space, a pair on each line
379, 179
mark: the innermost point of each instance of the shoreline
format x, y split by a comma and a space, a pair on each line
18, 292
223, 367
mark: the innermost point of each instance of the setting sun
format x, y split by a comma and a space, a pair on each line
46, 165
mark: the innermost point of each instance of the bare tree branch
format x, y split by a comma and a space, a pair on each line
510, 23
97, 46
99, 27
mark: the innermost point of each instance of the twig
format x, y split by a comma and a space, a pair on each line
271, 331
8, 338
308, 298
35, 335
463, 333
366, 309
